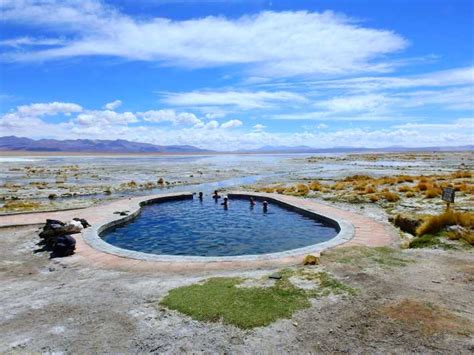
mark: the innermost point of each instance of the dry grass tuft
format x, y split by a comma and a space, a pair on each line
432, 192
358, 178
370, 189
302, 189
462, 174
391, 196
315, 186
373, 198
435, 224
267, 189
20, 205
404, 188
422, 186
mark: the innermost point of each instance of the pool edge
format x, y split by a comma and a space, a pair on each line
92, 235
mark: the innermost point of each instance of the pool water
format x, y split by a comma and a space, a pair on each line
206, 228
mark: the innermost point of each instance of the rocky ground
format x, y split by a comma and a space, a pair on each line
413, 301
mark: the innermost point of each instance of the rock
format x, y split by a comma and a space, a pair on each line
456, 229
275, 276
405, 244
84, 222
121, 213
54, 221
52, 196
64, 246
73, 227
311, 260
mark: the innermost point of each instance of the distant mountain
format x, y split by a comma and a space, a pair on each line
13, 143
394, 149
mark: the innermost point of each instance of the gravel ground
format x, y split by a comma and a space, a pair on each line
50, 306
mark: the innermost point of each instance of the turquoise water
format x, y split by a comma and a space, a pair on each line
206, 228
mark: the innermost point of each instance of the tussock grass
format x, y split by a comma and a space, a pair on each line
391, 196
370, 189
435, 224
315, 186
432, 192
302, 189
422, 186
20, 205
404, 188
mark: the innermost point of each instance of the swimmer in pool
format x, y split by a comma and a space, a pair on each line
200, 196
225, 203
265, 206
216, 195
252, 202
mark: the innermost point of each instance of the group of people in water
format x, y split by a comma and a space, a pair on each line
225, 201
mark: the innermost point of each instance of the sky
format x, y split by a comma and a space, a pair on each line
238, 74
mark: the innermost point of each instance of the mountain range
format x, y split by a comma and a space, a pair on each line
13, 143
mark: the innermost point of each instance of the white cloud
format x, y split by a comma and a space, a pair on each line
231, 124
31, 41
170, 116
211, 125
113, 105
48, 109
259, 127
372, 103
452, 77
105, 118
243, 99
269, 43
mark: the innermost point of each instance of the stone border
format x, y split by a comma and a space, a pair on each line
92, 235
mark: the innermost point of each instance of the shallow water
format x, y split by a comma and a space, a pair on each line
192, 227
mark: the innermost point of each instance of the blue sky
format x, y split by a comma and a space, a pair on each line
239, 74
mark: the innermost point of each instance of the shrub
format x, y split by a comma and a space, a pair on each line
435, 224
410, 194
391, 196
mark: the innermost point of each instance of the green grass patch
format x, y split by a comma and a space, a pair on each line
220, 299
430, 241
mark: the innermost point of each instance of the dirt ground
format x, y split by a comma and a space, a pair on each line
47, 305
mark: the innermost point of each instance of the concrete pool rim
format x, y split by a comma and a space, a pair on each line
92, 235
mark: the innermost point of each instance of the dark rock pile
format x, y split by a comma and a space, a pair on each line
56, 236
